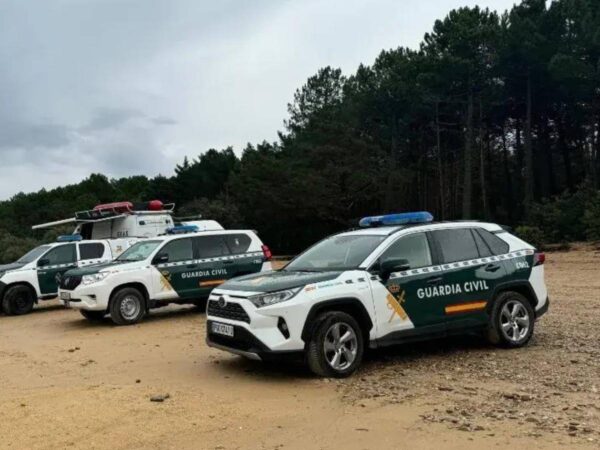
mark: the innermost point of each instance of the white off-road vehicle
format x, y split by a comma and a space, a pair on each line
180, 267
401, 278
36, 275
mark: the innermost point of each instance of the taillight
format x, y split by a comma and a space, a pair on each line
539, 258
267, 253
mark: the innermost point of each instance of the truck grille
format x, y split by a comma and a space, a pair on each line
232, 311
70, 282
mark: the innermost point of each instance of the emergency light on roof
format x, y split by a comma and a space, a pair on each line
181, 229
69, 238
396, 219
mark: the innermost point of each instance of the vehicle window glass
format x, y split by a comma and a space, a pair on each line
498, 246
211, 246
139, 251
238, 243
32, 255
342, 252
414, 248
456, 245
483, 248
179, 250
62, 254
91, 251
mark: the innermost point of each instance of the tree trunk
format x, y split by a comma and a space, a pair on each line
566, 156
388, 204
467, 199
439, 163
509, 205
529, 175
484, 201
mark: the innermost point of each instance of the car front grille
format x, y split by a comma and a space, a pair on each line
232, 311
70, 282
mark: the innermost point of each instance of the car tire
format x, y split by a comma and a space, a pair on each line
18, 300
328, 354
93, 316
200, 305
512, 320
128, 306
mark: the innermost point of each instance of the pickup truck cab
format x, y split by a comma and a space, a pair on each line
36, 275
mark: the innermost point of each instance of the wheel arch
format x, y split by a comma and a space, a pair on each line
134, 284
522, 287
7, 286
349, 305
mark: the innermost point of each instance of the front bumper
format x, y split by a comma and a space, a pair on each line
92, 297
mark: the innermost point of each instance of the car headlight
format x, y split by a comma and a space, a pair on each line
94, 278
271, 298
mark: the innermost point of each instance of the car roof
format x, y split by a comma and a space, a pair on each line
167, 237
388, 230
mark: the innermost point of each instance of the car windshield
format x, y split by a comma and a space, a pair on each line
139, 251
34, 254
341, 252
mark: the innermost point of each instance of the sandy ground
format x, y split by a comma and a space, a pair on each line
66, 383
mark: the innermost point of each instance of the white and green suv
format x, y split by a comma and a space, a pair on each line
180, 267
400, 278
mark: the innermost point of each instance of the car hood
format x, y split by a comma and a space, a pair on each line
95, 268
11, 266
277, 280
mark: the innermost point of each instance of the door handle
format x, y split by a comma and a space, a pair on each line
491, 267
434, 280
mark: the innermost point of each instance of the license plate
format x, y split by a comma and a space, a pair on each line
65, 296
222, 328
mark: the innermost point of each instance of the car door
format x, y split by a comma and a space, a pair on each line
467, 280
242, 262
215, 264
400, 310
52, 265
92, 253
177, 269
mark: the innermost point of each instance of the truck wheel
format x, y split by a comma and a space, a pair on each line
336, 346
18, 300
93, 316
127, 306
200, 305
511, 321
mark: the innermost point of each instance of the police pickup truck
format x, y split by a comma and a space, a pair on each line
180, 267
36, 275
398, 279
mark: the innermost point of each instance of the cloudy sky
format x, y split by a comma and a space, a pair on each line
129, 87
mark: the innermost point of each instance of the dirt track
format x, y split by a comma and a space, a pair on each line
66, 383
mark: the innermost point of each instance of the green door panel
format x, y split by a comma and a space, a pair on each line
58, 260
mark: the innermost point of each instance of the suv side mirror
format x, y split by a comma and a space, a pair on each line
391, 265
43, 262
161, 258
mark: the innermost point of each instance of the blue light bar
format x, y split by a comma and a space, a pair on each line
181, 229
396, 219
69, 238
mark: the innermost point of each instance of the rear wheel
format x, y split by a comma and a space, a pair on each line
336, 346
18, 300
93, 316
512, 320
127, 307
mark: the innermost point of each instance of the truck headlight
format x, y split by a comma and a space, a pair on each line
271, 298
94, 278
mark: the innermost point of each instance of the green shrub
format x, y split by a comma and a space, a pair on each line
591, 218
532, 235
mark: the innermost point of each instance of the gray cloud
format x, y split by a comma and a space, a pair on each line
131, 87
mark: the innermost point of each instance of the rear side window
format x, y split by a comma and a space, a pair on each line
456, 245
211, 246
497, 245
237, 243
414, 248
91, 251
179, 250
63, 254
484, 250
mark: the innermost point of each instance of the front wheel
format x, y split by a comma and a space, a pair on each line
93, 316
511, 321
18, 300
127, 306
336, 346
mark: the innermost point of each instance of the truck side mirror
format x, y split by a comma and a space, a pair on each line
43, 262
392, 265
161, 258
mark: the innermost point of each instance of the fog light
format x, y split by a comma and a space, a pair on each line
283, 327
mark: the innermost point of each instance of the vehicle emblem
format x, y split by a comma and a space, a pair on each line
222, 302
